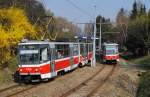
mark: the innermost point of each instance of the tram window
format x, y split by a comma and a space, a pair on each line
44, 53
29, 47
113, 49
90, 47
117, 49
86, 47
109, 52
81, 48
62, 51
75, 50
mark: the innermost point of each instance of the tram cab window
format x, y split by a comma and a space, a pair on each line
62, 51
44, 53
29, 54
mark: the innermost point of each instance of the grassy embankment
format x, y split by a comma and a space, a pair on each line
7, 71
144, 84
143, 61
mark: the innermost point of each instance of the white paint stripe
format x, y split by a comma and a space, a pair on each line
67, 69
38, 65
43, 76
75, 56
112, 55
35, 65
47, 75
117, 59
74, 66
29, 73
57, 60
28, 51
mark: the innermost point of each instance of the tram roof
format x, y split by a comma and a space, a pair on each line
46, 42
110, 44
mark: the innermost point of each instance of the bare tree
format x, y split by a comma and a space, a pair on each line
122, 22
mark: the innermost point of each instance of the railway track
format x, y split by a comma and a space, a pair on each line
15, 89
5, 89
18, 89
91, 85
101, 83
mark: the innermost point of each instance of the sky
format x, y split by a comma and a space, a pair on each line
85, 10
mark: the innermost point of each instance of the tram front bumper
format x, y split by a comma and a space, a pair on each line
30, 77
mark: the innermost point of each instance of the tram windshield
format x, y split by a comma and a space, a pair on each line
34, 53
29, 54
110, 50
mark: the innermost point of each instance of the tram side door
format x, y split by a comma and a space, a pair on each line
71, 55
85, 52
52, 62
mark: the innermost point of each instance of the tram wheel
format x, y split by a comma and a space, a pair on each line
17, 77
80, 65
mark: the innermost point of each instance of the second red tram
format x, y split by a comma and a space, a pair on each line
110, 53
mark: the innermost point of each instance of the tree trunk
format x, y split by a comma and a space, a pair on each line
148, 51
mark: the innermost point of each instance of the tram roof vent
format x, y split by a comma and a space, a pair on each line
46, 40
24, 40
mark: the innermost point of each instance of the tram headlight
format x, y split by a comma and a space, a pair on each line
36, 70
20, 70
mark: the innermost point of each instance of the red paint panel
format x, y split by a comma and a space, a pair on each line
42, 69
62, 64
81, 58
90, 54
29, 69
114, 57
76, 60
117, 56
45, 69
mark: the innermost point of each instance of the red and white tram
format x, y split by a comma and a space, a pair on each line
39, 60
110, 53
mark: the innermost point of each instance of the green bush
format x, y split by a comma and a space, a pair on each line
144, 85
6, 73
144, 61
12, 65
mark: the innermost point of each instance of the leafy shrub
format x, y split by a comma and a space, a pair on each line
14, 26
144, 85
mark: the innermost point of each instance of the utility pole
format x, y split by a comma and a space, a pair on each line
94, 40
93, 61
100, 36
148, 40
